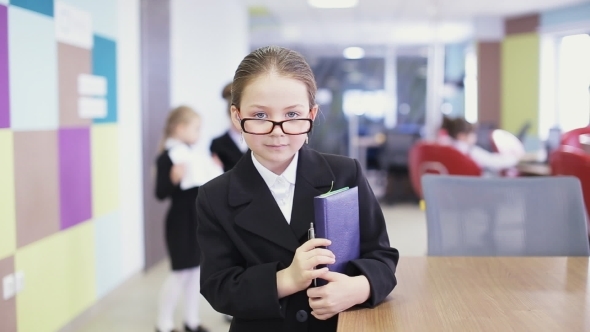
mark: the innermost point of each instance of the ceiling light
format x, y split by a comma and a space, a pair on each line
353, 53
333, 3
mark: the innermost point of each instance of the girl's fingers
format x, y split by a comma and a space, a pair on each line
321, 252
317, 260
314, 274
313, 243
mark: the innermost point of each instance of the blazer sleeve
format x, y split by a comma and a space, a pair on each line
378, 260
213, 147
226, 282
164, 186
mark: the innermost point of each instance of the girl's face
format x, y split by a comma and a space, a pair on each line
275, 98
189, 132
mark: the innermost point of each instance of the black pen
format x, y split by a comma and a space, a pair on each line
311, 235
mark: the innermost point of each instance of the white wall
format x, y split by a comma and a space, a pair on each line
129, 111
208, 39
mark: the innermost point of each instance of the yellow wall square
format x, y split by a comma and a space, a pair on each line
105, 168
520, 82
7, 203
60, 280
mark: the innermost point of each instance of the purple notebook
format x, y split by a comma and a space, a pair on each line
337, 219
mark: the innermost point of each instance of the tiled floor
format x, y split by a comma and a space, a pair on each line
132, 307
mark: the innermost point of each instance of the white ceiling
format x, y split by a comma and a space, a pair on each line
381, 22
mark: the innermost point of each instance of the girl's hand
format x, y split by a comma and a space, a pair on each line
341, 293
177, 172
299, 275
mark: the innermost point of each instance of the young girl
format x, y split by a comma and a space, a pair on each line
257, 264
464, 138
180, 170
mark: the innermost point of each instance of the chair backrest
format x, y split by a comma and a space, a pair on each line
506, 143
476, 216
571, 137
571, 161
431, 158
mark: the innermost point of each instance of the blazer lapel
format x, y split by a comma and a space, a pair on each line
262, 215
314, 177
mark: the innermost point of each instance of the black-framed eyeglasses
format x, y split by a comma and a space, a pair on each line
289, 127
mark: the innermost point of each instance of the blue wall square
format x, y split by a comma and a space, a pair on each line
104, 63
32, 56
44, 7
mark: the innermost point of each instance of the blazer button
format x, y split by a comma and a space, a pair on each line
301, 316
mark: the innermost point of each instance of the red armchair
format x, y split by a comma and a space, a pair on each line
572, 137
434, 158
568, 160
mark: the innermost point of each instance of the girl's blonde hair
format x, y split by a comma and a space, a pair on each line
179, 115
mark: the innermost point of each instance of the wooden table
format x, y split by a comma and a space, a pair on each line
481, 294
533, 169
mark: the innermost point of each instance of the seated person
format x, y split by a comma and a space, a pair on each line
464, 139
442, 135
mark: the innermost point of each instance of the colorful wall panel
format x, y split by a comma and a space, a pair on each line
105, 159
104, 64
59, 173
61, 281
32, 55
488, 82
520, 82
4, 83
7, 307
109, 269
7, 207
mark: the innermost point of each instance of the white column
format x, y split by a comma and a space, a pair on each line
390, 83
435, 81
130, 148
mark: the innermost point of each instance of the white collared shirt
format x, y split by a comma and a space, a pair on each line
238, 140
281, 186
490, 161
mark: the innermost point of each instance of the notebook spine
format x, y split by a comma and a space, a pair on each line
321, 226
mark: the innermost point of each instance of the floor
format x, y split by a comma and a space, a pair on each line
132, 307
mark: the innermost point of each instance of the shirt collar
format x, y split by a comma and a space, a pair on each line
270, 178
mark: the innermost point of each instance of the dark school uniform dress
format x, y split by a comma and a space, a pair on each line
181, 219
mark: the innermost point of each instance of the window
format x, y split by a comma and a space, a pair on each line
573, 82
470, 82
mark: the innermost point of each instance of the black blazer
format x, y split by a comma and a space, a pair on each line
227, 151
245, 240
